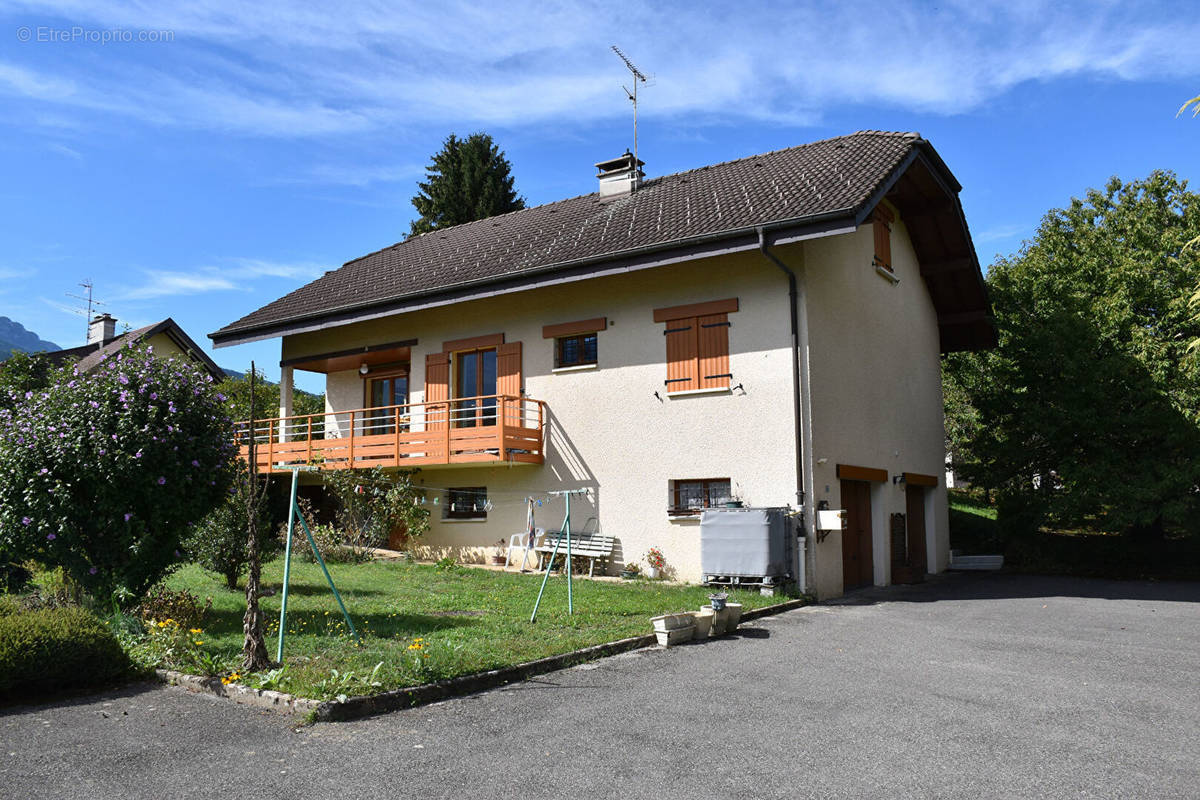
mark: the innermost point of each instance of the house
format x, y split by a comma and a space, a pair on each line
166, 337
767, 329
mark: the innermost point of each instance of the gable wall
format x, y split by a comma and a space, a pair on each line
876, 396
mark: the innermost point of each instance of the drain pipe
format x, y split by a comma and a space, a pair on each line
802, 408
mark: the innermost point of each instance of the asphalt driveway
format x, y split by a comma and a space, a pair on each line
972, 686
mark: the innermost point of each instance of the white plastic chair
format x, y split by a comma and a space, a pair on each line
521, 541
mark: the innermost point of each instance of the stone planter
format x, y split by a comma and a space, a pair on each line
671, 622
734, 610
677, 636
704, 621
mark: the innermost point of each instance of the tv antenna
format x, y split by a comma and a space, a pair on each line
637, 76
91, 301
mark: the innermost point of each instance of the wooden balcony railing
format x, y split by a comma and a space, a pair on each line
474, 430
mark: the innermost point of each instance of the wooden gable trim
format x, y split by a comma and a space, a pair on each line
573, 328
696, 310
917, 479
473, 343
849, 472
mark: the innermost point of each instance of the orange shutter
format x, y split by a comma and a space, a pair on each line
713, 334
437, 389
508, 381
681, 355
883, 237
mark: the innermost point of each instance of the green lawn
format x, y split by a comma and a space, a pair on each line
425, 623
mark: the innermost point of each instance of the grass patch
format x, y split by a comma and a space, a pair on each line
421, 623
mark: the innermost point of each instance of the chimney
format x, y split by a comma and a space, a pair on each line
102, 329
620, 176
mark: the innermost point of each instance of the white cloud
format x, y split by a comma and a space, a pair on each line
303, 270
277, 70
161, 283
62, 149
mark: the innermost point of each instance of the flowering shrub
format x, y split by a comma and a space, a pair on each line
102, 472
654, 558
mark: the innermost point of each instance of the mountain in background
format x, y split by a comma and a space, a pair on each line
13, 336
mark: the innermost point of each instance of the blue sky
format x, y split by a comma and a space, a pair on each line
247, 147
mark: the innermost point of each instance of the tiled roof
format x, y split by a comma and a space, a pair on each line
811, 180
91, 355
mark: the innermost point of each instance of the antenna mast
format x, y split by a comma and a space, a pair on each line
637, 76
91, 302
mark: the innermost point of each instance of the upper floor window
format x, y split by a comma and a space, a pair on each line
575, 351
576, 344
697, 345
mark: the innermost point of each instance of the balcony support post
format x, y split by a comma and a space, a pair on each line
285, 399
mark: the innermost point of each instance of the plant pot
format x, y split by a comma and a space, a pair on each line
677, 636
672, 622
629, 574
720, 620
704, 621
734, 504
734, 610
498, 561
652, 573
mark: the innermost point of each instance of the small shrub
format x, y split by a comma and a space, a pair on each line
55, 650
169, 644
182, 606
218, 542
14, 578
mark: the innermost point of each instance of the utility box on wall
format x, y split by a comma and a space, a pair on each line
831, 519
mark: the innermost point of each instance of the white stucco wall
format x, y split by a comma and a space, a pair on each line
608, 432
876, 399
876, 389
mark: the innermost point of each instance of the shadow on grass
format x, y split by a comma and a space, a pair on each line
220, 622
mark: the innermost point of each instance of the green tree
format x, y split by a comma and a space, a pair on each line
103, 471
1088, 413
21, 373
469, 179
266, 398
219, 543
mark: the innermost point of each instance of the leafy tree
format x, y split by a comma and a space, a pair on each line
1087, 412
21, 373
219, 543
370, 503
469, 179
102, 473
266, 398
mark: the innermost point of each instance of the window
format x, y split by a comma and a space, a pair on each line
466, 503
697, 345
384, 391
693, 496
475, 377
575, 343
575, 351
882, 224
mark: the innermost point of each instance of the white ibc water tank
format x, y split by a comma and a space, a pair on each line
745, 542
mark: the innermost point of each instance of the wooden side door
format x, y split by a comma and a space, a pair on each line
858, 567
914, 500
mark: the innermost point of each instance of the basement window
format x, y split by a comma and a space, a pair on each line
465, 503
690, 497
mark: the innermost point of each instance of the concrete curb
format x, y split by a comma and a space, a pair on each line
411, 696
259, 698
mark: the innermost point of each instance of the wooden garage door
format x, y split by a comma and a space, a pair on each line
915, 512
858, 568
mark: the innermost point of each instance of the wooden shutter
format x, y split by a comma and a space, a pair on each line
713, 335
508, 381
882, 221
682, 369
437, 389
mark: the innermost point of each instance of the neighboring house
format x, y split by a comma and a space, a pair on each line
767, 328
166, 337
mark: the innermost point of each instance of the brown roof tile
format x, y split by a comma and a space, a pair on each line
810, 180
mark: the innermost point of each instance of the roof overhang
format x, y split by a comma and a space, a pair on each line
920, 186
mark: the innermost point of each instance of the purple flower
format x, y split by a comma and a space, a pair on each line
26, 520
154, 395
128, 515
43, 471
50, 537
161, 480
195, 463
93, 571
102, 452
123, 380
93, 404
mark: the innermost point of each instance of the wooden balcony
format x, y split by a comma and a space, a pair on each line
495, 429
